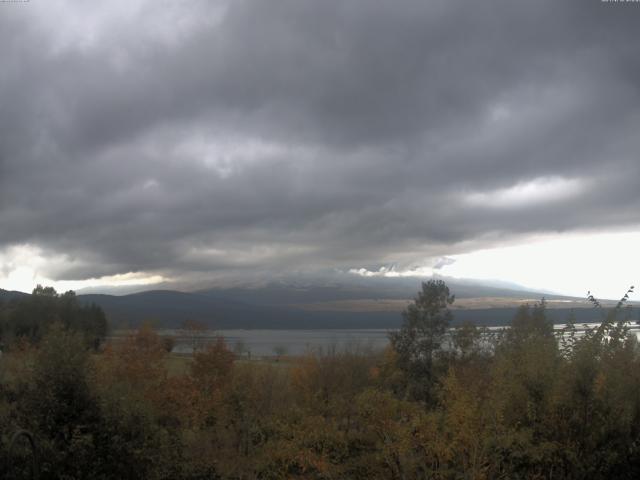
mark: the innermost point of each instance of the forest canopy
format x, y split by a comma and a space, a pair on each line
524, 402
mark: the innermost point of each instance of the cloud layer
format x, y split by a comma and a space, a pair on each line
210, 140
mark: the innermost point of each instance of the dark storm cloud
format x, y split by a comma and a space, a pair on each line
297, 135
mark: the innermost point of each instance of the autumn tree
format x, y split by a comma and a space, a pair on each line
212, 367
135, 435
194, 331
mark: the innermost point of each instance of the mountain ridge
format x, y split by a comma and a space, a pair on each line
369, 303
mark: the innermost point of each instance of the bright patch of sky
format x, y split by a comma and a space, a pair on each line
23, 267
573, 264
605, 264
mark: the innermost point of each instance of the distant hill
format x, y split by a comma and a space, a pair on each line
171, 309
7, 295
280, 306
360, 303
359, 288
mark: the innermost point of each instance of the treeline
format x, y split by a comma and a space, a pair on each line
522, 403
28, 317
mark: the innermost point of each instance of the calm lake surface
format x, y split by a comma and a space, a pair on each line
294, 342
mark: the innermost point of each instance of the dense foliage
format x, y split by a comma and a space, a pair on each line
522, 403
28, 317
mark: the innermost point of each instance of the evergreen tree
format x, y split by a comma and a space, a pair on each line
419, 340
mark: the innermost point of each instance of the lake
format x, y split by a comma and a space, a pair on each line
295, 342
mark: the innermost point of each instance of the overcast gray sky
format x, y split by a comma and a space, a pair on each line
205, 141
